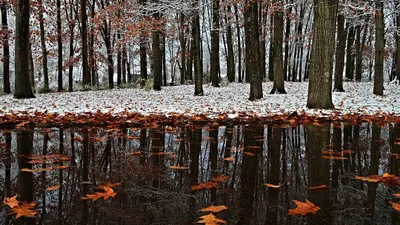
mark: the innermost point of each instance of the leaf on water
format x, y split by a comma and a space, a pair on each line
214, 208
230, 159
221, 178
210, 219
272, 185
27, 170
52, 188
179, 167
318, 187
24, 209
108, 193
369, 179
397, 143
396, 195
303, 208
11, 201
206, 185
390, 179
249, 153
334, 157
395, 206
62, 167
347, 152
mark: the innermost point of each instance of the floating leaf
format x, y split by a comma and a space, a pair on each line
303, 208
108, 193
395, 206
210, 219
369, 179
24, 209
396, 195
214, 208
272, 185
52, 188
318, 187
334, 157
231, 158
27, 170
62, 167
206, 185
179, 167
221, 178
249, 153
11, 201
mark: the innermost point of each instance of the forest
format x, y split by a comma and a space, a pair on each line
101, 44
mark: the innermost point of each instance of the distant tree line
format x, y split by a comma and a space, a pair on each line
180, 42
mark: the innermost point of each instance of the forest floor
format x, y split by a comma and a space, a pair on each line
230, 101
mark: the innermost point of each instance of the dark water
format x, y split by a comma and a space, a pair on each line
153, 193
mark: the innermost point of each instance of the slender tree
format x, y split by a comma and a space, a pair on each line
85, 66
22, 83
59, 44
253, 72
196, 51
397, 3
379, 47
157, 53
339, 55
279, 76
320, 83
6, 49
214, 59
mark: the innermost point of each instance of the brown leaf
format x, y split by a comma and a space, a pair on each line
221, 178
52, 188
374, 180
334, 157
24, 209
210, 219
396, 195
207, 185
395, 206
231, 158
214, 208
317, 187
303, 208
272, 185
179, 167
11, 201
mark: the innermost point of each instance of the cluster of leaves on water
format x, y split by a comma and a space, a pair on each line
20, 208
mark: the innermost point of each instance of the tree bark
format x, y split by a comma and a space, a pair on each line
349, 73
379, 48
22, 83
239, 45
85, 68
340, 51
230, 56
214, 59
198, 69
157, 56
279, 76
397, 3
6, 50
59, 46
320, 84
253, 50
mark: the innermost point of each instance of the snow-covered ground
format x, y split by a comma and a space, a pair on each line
232, 99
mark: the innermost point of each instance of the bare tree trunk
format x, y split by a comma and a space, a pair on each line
198, 69
22, 83
349, 73
6, 50
340, 51
379, 48
85, 68
239, 45
320, 84
182, 41
157, 56
214, 59
230, 61
397, 3
59, 44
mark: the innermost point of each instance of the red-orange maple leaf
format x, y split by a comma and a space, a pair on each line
11, 201
303, 208
208, 185
24, 209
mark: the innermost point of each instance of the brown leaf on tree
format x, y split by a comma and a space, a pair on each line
11, 201
214, 208
303, 208
395, 206
210, 219
206, 185
221, 178
318, 187
24, 209
272, 185
52, 188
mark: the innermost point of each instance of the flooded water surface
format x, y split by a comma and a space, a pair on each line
170, 175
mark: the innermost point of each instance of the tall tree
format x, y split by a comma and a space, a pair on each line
143, 52
320, 83
196, 51
379, 47
85, 66
59, 44
252, 50
44, 48
279, 76
230, 58
22, 83
6, 49
157, 53
349, 72
339, 55
397, 3
214, 59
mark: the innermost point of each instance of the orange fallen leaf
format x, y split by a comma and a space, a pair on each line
334, 157
348, 151
52, 188
27, 170
303, 208
206, 185
214, 208
231, 158
221, 178
396, 195
179, 167
249, 153
318, 187
62, 167
396, 206
369, 179
397, 143
24, 209
272, 185
210, 219
11, 201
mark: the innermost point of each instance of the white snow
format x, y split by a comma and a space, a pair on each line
232, 100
